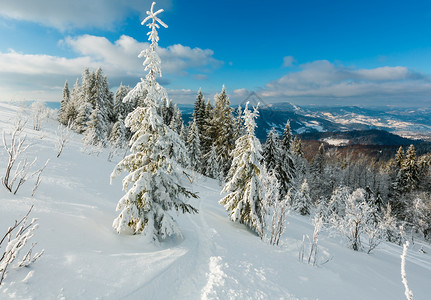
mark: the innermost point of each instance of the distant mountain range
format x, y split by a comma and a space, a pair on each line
347, 124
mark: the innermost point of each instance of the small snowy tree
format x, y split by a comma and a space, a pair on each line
274, 210
278, 212
302, 201
117, 138
287, 167
212, 167
244, 182
39, 114
389, 225
354, 224
153, 185
62, 117
95, 132
338, 201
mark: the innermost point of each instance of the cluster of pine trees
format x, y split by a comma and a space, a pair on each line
94, 111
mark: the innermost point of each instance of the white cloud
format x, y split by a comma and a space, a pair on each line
241, 92
288, 61
323, 81
122, 55
119, 61
66, 14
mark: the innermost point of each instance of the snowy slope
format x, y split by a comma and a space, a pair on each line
216, 259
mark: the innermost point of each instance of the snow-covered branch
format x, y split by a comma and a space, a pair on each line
15, 243
15, 177
63, 136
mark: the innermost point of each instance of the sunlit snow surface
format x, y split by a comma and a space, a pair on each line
217, 259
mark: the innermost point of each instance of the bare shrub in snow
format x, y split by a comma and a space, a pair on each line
280, 211
63, 136
274, 211
312, 254
13, 241
15, 177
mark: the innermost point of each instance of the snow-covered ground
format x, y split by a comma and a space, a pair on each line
216, 258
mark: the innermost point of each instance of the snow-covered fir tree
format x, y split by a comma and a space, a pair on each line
83, 116
121, 108
409, 173
176, 120
399, 157
297, 147
72, 107
166, 111
84, 105
117, 137
405, 181
223, 127
153, 184
239, 129
208, 137
319, 161
244, 185
194, 146
321, 181
212, 168
199, 112
95, 131
302, 201
62, 117
286, 171
271, 151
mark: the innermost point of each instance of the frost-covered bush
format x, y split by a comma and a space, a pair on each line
313, 249
39, 114
358, 221
18, 168
274, 209
13, 241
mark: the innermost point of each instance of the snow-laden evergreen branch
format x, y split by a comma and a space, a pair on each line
149, 88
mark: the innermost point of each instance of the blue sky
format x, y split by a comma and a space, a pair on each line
307, 52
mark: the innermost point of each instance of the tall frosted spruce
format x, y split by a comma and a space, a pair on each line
244, 184
153, 185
